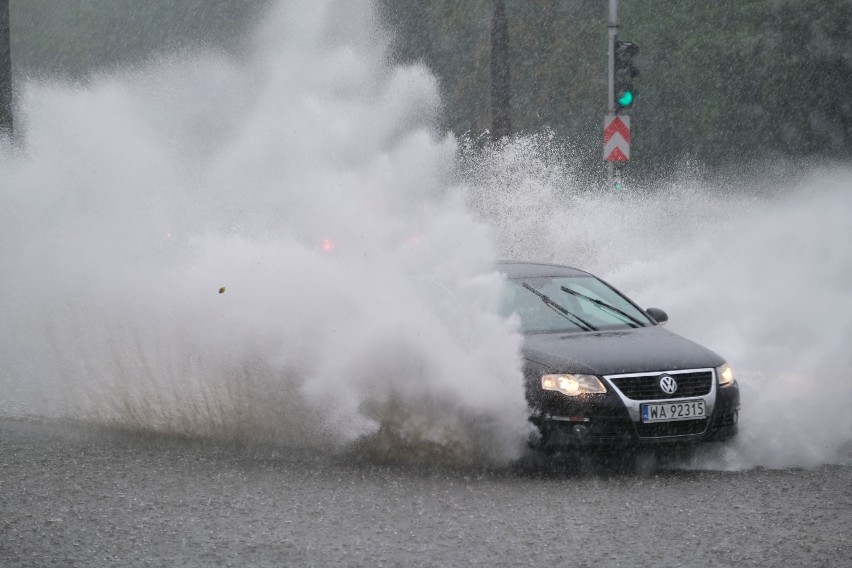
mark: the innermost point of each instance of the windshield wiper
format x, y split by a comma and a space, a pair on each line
583, 324
635, 322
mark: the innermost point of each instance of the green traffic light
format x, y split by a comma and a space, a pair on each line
626, 99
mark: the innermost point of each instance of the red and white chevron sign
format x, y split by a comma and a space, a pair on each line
616, 138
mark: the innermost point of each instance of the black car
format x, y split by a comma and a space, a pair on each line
601, 371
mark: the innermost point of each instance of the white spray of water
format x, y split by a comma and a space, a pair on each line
135, 199
763, 279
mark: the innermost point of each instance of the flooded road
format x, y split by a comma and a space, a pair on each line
75, 495
284, 243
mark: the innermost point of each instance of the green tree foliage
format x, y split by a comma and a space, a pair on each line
451, 38
731, 80
724, 82
75, 37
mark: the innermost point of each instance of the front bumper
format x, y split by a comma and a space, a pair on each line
613, 420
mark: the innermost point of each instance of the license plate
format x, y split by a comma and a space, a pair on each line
670, 411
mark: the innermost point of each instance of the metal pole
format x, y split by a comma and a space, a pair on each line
613, 32
612, 27
5, 70
501, 78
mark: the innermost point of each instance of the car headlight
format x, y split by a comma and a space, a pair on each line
724, 375
573, 385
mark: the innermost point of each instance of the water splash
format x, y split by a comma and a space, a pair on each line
307, 179
137, 198
764, 278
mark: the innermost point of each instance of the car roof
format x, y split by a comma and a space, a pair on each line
526, 269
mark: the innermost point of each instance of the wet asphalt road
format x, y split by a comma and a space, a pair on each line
73, 495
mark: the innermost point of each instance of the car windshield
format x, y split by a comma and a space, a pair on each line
585, 303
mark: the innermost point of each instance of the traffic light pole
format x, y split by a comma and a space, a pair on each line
612, 26
621, 71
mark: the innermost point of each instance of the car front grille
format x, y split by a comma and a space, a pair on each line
647, 387
663, 429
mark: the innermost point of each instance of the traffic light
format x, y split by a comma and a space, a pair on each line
624, 72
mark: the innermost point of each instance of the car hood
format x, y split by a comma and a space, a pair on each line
637, 350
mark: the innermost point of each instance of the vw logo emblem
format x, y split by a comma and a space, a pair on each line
668, 384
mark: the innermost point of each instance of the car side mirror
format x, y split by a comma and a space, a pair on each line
659, 315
